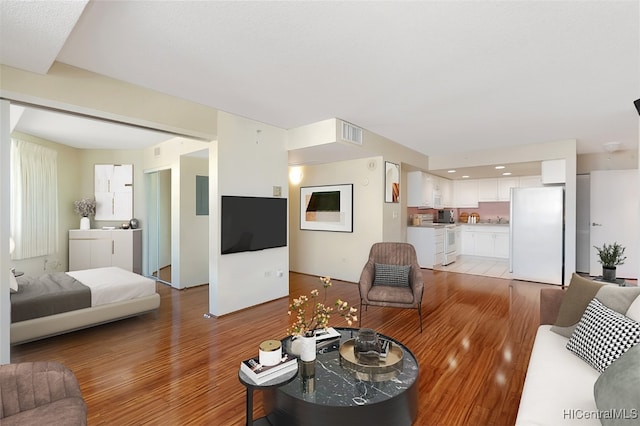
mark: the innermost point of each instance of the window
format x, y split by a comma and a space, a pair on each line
34, 199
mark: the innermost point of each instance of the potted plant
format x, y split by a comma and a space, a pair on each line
610, 256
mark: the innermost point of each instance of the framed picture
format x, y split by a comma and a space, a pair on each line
327, 208
391, 182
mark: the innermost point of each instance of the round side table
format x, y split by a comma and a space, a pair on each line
251, 386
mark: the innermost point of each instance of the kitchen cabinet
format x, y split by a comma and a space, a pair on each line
496, 189
429, 245
423, 190
504, 187
553, 171
501, 245
98, 248
415, 190
465, 193
488, 189
467, 241
530, 182
113, 190
485, 240
446, 190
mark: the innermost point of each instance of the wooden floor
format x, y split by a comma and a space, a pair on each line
181, 368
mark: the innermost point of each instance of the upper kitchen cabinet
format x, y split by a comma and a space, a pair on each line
114, 191
553, 171
496, 189
530, 181
465, 193
504, 187
446, 190
488, 189
424, 190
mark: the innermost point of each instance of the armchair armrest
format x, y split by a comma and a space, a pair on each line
366, 279
417, 282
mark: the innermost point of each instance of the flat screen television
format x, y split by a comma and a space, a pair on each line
252, 223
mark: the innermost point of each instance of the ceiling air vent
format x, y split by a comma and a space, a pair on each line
351, 133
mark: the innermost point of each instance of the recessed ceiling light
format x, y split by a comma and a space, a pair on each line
499, 167
451, 171
465, 177
506, 174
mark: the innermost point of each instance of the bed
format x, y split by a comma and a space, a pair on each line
62, 302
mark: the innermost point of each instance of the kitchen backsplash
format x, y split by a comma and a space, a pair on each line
487, 211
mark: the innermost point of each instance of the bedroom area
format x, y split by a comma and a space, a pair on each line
149, 230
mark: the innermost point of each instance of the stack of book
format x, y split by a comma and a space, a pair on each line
385, 347
259, 373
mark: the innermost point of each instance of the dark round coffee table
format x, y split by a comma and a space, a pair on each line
337, 396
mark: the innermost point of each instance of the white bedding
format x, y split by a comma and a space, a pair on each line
113, 284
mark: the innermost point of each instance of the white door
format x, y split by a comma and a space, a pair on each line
583, 224
614, 217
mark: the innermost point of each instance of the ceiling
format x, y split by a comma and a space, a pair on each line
439, 77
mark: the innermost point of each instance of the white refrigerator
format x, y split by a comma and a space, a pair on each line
537, 234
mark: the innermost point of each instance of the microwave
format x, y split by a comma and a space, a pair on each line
446, 216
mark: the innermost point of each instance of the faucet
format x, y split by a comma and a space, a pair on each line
499, 219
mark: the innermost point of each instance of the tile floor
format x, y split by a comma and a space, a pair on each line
489, 267
475, 265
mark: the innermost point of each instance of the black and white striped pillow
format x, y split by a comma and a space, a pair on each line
603, 335
392, 275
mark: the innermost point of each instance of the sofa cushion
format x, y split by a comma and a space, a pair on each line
559, 387
580, 292
389, 294
602, 335
391, 275
617, 298
617, 390
634, 310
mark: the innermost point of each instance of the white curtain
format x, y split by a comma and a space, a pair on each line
34, 199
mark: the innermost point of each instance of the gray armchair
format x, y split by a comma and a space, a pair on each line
385, 289
40, 393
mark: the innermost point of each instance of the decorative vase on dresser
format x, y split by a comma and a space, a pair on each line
85, 223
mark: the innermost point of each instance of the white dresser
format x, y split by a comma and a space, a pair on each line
97, 248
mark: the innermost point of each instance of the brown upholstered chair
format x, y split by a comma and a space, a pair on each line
381, 291
40, 393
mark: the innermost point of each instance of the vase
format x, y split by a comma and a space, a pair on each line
307, 373
85, 223
609, 274
307, 348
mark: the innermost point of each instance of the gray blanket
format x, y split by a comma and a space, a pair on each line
47, 295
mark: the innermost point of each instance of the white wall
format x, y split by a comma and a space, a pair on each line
249, 163
339, 255
5, 200
194, 229
167, 155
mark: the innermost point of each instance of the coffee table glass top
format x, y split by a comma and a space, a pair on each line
335, 385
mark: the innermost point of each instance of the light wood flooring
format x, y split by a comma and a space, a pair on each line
181, 368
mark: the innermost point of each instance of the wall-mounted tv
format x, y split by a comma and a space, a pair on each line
252, 223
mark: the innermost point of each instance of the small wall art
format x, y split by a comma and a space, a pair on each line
327, 208
391, 182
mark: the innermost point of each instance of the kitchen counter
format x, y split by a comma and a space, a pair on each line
442, 225
485, 224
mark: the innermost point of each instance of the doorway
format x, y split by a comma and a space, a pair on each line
158, 200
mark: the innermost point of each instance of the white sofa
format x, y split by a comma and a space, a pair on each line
560, 387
